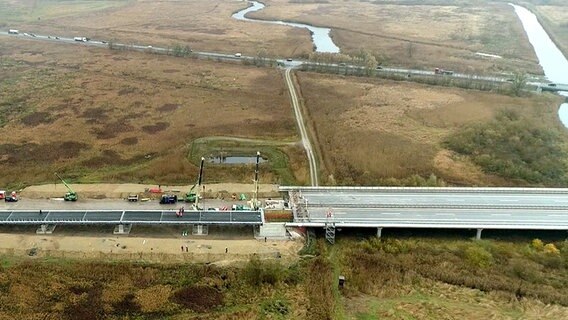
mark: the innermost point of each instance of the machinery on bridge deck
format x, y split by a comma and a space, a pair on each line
193, 196
70, 195
254, 202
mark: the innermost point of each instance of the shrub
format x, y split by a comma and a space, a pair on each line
537, 244
257, 272
478, 257
514, 148
551, 249
279, 307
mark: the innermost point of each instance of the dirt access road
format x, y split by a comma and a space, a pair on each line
121, 191
152, 248
303, 132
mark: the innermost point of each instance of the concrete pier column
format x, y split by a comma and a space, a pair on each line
379, 232
122, 229
478, 235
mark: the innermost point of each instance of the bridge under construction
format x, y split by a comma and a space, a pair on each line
431, 208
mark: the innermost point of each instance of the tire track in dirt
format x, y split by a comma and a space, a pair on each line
303, 132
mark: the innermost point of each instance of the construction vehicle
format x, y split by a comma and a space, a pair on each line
191, 196
70, 195
133, 197
168, 199
442, 71
12, 197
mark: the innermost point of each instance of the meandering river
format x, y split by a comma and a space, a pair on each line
320, 36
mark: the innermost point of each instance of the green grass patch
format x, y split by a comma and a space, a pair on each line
277, 165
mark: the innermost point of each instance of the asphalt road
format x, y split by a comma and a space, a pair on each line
540, 209
456, 199
233, 57
36, 217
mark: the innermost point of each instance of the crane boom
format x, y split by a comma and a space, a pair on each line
70, 195
65, 183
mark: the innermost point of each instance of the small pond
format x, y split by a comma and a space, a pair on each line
235, 160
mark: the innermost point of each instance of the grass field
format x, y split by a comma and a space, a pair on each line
385, 132
99, 115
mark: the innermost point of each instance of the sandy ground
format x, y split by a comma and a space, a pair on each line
146, 248
121, 191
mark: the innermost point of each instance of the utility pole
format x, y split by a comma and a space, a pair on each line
255, 197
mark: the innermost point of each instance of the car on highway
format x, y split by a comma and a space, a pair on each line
238, 55
289, 59
552, 84
379, 67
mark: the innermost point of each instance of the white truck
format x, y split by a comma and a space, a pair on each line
13, 31
82, 39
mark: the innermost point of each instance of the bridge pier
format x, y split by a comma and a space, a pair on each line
379, 232
122, 229
200, 230
478, 235
46, 229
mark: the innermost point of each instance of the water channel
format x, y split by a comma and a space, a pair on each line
320, 36
551, 59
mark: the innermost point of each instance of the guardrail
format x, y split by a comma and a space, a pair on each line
434, 206
386, 224
427, 189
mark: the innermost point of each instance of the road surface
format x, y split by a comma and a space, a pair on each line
36, 217
489, 208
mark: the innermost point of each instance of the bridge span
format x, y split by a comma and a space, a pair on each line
124, 219
443, 208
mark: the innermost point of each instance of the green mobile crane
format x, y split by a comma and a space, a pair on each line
193, 196
70, 195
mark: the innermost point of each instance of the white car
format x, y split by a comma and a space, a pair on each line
238, 55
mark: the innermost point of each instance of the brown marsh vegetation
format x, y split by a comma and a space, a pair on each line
421, 34
100, 115
421, 278
372, 131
